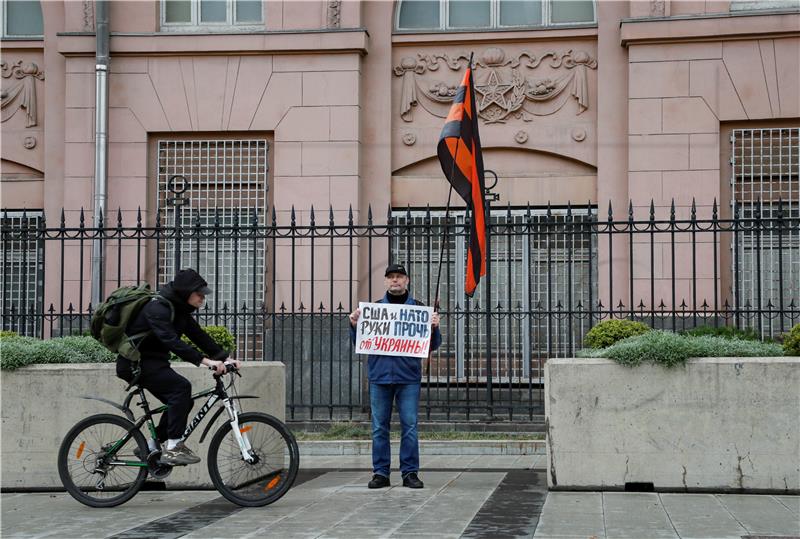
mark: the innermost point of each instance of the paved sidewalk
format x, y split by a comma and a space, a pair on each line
467, 496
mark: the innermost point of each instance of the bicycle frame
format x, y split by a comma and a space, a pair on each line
215, 394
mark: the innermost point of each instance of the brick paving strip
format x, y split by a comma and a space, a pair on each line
513, 509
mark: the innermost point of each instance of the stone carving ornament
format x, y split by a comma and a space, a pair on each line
334, 13
21, 95
502, 85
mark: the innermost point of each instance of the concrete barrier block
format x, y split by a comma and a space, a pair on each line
725, 424
40, 403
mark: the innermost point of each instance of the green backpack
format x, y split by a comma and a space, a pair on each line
111, 319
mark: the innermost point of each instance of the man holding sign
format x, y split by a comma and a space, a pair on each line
396, 331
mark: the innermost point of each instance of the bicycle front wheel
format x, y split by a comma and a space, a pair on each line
274, 461
90, 461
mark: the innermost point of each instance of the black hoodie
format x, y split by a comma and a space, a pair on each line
165, 336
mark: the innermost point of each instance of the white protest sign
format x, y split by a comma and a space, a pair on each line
390, 329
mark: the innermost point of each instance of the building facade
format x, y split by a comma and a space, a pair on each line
661, 110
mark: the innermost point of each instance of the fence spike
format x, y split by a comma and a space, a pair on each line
610, 212
321, 307
693, 214
283, 307
672, 211
119, 218
350, 217
714, 210
312, 218
294, 217
369, 214
704, 306
330, 214
652, 210
630, 210
683, 305
63, 224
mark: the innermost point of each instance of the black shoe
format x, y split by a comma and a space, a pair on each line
411, 480
378, 481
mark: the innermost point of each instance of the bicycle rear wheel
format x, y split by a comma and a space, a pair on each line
276, 461
86, 470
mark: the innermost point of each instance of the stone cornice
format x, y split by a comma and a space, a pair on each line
318, 42
709, 28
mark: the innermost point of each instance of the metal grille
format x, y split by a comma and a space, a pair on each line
226, 189
22, 273
766, 188
535, 270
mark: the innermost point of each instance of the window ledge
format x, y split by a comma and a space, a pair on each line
22, 43
343, 40
493, 35
716, 27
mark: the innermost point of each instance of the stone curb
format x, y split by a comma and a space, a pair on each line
426, 447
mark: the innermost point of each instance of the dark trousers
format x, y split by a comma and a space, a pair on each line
169, 387
381, 398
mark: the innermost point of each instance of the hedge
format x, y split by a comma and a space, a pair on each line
671, 349
791, 342
17, 351
608, 332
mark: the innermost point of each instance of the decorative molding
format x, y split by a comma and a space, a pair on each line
504, 91
22, 94
521, 137
658, 8
29, 142
88, 16
578, 134
334, 13
409, 138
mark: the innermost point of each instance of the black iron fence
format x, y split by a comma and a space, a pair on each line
285, 283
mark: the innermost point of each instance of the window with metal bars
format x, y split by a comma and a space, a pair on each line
765, 182
22, 273
543, 272
226, 193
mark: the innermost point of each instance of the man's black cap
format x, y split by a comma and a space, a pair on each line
395, 268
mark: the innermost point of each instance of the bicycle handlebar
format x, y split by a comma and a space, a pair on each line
229, 369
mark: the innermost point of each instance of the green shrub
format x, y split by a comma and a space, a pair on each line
791, 342
221, 335
8, 334
727, 332
21, 351
670, 349
608, 332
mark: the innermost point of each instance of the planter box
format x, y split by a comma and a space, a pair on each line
722, 424
42, 402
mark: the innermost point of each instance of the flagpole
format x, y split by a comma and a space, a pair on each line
447, 215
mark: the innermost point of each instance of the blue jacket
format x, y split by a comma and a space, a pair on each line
397, 369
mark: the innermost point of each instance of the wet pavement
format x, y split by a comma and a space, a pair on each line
468, 496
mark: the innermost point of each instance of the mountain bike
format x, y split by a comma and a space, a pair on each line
252, 458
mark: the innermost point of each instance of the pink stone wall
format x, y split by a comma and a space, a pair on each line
679, 94
351, 124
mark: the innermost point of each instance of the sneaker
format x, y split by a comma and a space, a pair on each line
378, 481
180, 455
411, 480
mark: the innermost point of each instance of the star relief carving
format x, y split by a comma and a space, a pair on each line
493, 91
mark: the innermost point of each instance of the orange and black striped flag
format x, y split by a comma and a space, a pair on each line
459, 152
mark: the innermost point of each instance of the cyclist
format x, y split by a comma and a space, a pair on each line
186, 292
